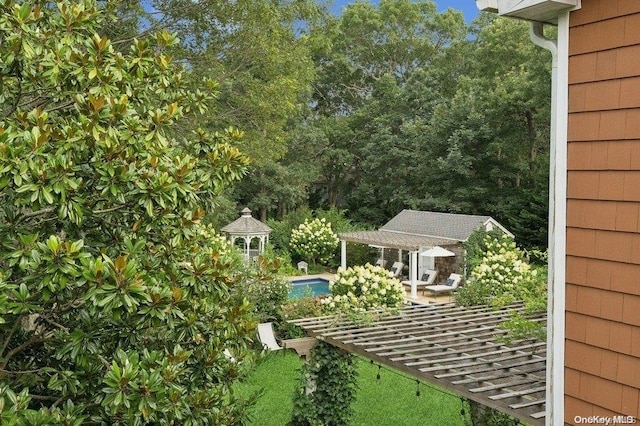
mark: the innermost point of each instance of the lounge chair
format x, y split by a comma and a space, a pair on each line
381, 263
396, 269
447, 287
267, 336
427, 278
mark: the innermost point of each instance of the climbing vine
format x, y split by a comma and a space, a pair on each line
327, 387
328, 382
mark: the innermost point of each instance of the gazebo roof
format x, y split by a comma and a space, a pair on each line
246, 225
456, 348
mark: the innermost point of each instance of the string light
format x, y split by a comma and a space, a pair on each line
418, 392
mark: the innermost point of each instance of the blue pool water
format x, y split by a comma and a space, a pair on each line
315, 286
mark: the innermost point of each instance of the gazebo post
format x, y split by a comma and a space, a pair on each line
413, 262
343, 254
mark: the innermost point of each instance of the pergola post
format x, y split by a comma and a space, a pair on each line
413, 262
343, 254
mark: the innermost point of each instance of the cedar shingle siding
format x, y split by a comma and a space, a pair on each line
602, 354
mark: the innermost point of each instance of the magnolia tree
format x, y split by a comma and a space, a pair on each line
362, 288
117, 305
314, 240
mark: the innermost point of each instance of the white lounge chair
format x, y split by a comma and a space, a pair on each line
427, 278
450, 285
267, 336
396, 269
381, 263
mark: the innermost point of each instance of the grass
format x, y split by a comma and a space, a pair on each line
391, 400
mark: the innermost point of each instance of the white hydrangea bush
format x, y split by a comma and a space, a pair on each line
363, 288
314, 240
503, 273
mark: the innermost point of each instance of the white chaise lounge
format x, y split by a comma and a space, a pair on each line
449, 285
428, 278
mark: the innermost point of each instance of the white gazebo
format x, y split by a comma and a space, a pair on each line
248, 229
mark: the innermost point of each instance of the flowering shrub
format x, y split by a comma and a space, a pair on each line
314, 240
502, 276
361, 288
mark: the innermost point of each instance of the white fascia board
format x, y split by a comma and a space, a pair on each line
487, 5
536, 10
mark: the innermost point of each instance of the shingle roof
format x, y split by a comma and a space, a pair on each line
246, 225
438, 225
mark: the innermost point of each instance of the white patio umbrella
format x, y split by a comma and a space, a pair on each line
437, 251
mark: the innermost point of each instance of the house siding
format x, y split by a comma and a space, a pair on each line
602, 335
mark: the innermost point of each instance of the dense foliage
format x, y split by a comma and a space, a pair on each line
411, 108
327, 387
504, 276
314, 240
116, 302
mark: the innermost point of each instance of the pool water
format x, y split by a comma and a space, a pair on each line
306, 287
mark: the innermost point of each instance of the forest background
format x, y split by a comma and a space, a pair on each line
381, 108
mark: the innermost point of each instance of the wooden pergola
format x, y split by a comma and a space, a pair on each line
453, 347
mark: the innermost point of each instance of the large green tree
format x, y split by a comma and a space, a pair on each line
117, 305
458, 124
257, 52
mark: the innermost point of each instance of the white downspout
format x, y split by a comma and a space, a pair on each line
557, 214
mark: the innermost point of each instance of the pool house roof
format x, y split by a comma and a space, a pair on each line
453, 347
412, 229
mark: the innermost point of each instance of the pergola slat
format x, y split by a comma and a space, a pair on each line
478, 362
517, 393
454, 347
504, 385
512, 371
491, 368
462, 357
527, 404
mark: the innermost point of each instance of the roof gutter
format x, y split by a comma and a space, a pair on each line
557, 213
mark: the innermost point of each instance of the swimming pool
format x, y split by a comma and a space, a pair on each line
314, 286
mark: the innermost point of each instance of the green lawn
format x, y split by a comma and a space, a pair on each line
391, 400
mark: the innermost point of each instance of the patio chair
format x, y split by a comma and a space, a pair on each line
381, 263
447, 287
396, 269
268, 337
303, 266
427, 278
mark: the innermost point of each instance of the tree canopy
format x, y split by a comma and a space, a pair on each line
117, 304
